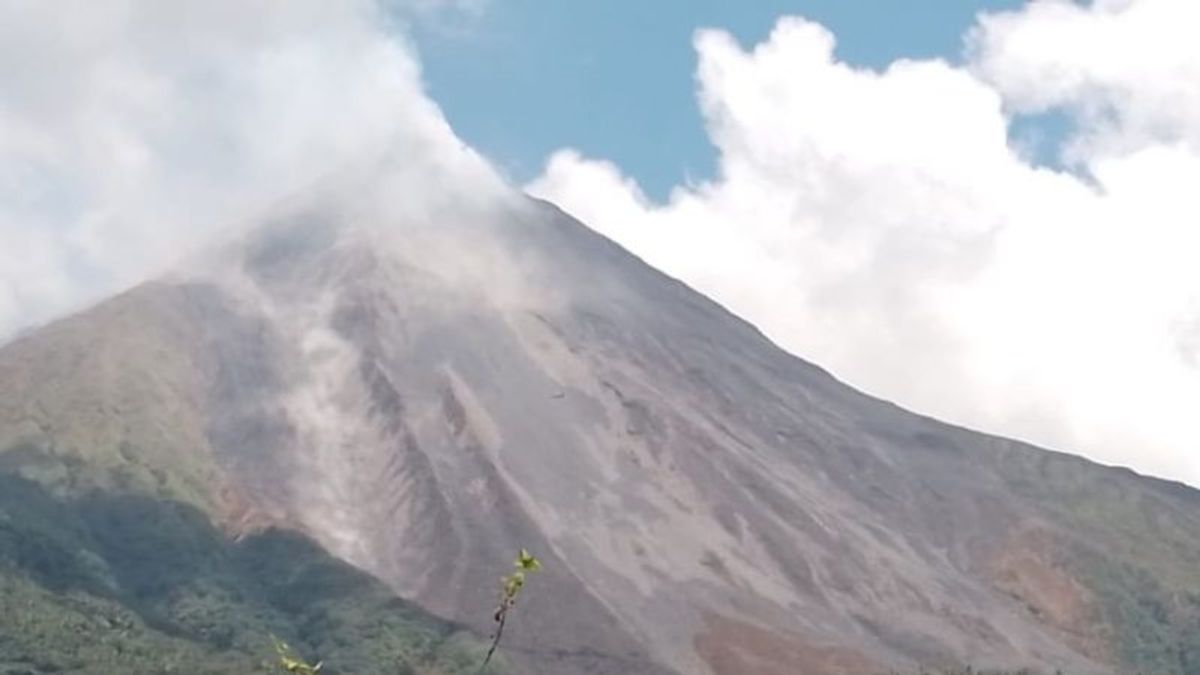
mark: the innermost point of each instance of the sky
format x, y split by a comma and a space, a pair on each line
981, 210
519, 79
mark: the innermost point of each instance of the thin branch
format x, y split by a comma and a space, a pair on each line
501, 617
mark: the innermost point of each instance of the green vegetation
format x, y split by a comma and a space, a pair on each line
104, 583
1155, 629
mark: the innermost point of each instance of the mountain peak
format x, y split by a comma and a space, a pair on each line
423, 389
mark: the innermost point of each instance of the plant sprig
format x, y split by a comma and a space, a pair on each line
510, 588
291, 663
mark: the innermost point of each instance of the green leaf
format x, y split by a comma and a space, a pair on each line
526, 561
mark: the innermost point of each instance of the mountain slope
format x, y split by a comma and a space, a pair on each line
424, 392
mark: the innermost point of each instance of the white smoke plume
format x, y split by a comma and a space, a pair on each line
131, 131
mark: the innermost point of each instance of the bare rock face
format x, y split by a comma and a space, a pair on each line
424, 395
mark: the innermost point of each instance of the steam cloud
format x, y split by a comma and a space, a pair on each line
131, 131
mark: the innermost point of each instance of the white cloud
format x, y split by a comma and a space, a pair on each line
1126, 69
881, 224
129, 131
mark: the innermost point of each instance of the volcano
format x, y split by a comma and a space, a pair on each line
418, 391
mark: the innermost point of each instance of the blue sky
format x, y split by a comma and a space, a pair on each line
614, 78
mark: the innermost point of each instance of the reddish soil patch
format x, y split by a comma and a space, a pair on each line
732, 647
1031, 569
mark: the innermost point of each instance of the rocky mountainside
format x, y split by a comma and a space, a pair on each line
423, 391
